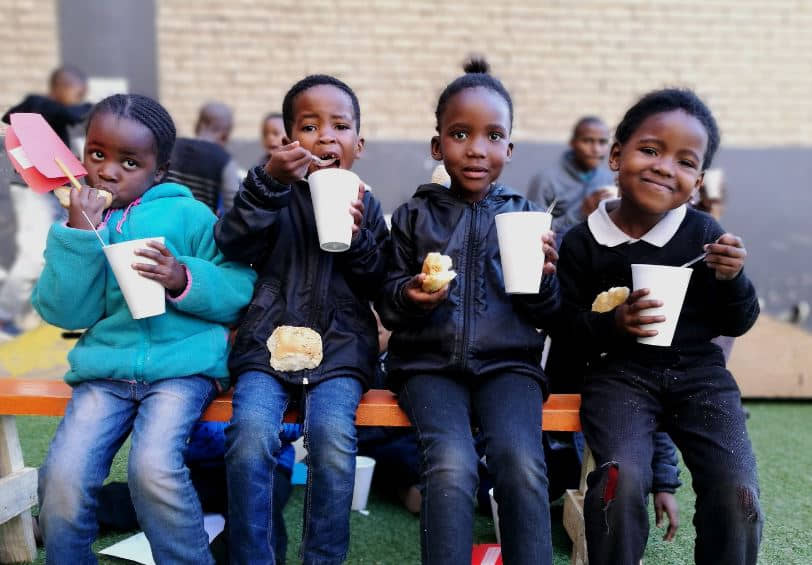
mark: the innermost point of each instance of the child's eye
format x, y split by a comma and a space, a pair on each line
309, 127
97, 155
648, 150
495, 136
129, 164
342, 127
689, 164
459, 135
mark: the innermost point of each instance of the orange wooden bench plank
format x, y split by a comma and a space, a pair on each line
377, 408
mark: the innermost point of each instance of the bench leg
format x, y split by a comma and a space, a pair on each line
17, 534
574, 512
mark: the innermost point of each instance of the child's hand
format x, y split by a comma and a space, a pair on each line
168, 272
87, 199
289, 163
665, 502
550, 253
628, 318
726, 256
425, 300
357, 211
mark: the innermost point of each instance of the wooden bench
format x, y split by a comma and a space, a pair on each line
18, 484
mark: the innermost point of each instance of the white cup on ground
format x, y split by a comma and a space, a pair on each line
667, 284
145, 297
495, 513
332, 192
521, 250
364, 467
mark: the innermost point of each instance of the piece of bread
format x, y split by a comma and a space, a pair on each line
294, 348
610, 299
437, 268
63, 195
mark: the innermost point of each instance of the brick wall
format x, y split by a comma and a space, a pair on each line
29, 48
749, 59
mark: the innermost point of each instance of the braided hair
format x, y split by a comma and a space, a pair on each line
146, 112
310, 82
476, 75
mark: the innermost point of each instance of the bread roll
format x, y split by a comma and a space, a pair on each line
610, 299
437, 268
63, 195
294, 348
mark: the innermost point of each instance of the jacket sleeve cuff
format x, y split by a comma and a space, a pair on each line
186, 289
266, 189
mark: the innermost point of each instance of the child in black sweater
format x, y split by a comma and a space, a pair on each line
632, 390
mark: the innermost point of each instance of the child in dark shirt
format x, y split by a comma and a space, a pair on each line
470, 351
663, 145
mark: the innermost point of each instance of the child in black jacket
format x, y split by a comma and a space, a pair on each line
272, 226
470, 351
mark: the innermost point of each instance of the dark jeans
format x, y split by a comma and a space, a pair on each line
698, 403
507, 408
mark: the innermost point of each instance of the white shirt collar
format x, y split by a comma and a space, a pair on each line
608, 234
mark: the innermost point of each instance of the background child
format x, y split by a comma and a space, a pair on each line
203, 164
62, 107
470, 351
153, 376
272, 226
664, 143
272, 134
577, 181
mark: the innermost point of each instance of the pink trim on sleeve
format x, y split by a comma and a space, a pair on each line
186, 290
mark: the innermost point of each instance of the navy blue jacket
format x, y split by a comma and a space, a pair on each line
478, 329
272, 227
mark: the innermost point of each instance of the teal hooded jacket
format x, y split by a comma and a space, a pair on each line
77, 289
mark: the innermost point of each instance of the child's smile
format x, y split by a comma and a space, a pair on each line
120, 157
325, 124
474, 140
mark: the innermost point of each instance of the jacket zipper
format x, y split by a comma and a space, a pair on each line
466, 313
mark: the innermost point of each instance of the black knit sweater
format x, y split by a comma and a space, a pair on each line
711, 308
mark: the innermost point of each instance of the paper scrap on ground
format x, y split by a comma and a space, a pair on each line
136, 548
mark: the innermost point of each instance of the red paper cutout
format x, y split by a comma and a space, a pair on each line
41, 145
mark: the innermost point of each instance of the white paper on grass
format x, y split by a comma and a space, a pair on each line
136, 548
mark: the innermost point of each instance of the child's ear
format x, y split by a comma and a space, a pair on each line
698, 183
436, 151
359, 147
160, 172
509, 152
614, 157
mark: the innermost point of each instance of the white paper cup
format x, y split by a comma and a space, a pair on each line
495, 513
364, 467
332, 191
144, 296
520, 248
667, 284
713, 183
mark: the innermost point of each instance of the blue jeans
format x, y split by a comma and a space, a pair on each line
507, 408
697, 402
252, 441
97, 420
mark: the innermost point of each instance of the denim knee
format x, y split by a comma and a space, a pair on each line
518, 466
731, 502
62, 492
621, 483
154, 472
451, 463
331, 442
251, 437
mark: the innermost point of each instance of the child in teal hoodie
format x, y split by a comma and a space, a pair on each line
152, 376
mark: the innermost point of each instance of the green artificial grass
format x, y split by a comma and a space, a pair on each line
389, 534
